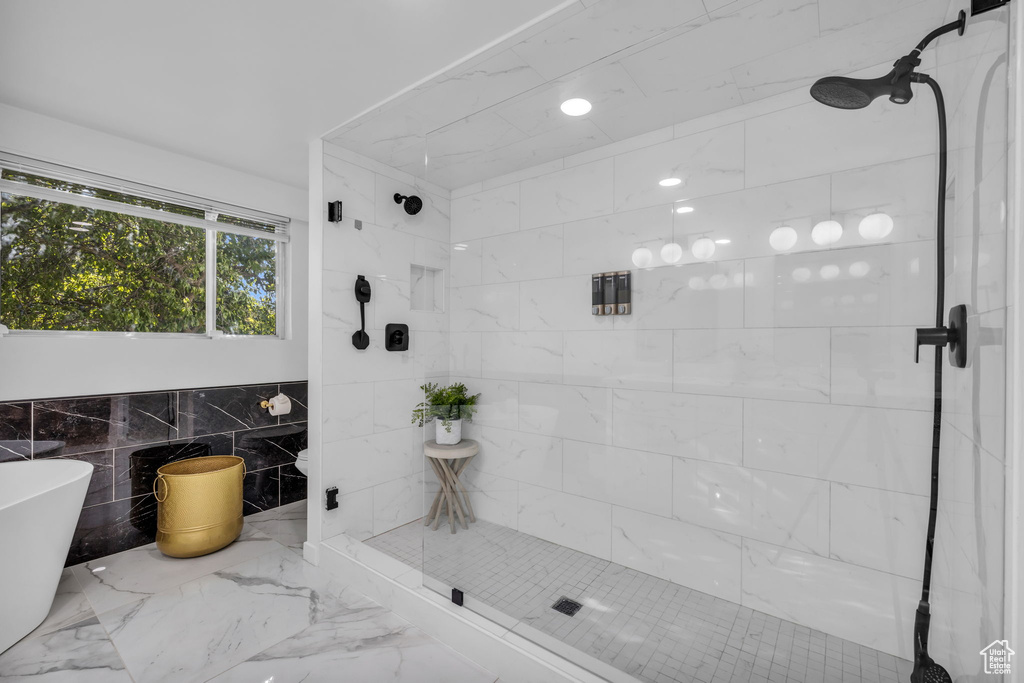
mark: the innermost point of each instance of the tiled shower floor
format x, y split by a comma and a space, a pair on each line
650, 628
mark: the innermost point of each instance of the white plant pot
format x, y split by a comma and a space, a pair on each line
445, 437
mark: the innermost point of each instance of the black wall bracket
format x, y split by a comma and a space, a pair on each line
979, 6
334, 212
332, 498
457, 596
954, 335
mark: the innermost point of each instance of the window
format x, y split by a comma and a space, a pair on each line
88, 254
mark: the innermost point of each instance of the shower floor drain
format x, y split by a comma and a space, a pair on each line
567, 606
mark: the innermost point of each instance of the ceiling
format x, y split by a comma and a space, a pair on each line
644, 65
241, 83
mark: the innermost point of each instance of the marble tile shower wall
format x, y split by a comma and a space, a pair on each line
112, 432
370, 451
757, 428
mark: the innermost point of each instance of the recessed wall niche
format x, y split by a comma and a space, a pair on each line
426, 289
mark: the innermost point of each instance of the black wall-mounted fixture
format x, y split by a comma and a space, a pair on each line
332, 498
979, 6
413, 204
396, 337
360, 339
458, 597
954, 335
334, 212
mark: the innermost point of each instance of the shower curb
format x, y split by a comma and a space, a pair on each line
497, 648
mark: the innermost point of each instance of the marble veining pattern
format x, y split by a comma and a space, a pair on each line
126, 437
259, 615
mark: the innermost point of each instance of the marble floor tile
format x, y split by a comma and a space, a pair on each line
360, 643
70, 606
204, 627
80, 653
116, 580
285, 524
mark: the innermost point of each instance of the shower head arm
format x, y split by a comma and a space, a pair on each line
959, 25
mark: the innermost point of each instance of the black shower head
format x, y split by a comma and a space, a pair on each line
413, 204
842, 92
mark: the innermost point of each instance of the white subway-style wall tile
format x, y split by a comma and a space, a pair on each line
397, 502
830, 140
465, 354
527, 356
878, 609
606, 243
495, 499
559, 304
640, 359
487, 213
572, 521
881, 530
868, 286
689, 555
487, 308
700, 427
710, 162
634, 479
787, 364
393, 403
568, 195
874, 366
580, 413
525, 255
776, 508
362, 462
347, 411
872, 447
694, 296
521, 456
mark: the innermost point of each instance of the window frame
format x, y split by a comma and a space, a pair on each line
212, 228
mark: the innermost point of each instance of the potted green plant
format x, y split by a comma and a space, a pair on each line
448, 406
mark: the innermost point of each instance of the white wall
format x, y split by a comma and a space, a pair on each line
362, 441
757, 429
45, 367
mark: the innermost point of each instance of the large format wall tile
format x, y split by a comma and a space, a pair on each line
568, 195
877, 608
626, 359
572, 521
355, 464
877, 529
789, 364
526, 255
632, 479
702, 427
882, 449
776, 508
521, 456
706, 560
488, 308
90, 424
492, 212
707, 163
210, 411
874, 366
15, 431
527, 356
580, 413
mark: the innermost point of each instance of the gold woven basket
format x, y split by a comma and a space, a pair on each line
199, 505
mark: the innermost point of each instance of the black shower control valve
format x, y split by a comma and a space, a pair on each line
954, 335
396, 337
332, 498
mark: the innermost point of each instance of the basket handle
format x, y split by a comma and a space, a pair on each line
156, 488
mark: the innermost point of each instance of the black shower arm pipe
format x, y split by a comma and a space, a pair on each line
957, 25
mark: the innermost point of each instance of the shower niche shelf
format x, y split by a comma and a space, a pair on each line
426, 289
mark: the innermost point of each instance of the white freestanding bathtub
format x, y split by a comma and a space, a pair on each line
40, 501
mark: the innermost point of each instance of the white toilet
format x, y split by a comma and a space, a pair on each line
302, 462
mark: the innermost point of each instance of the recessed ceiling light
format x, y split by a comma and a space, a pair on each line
575, 107
681, 209
723, 241
669, 182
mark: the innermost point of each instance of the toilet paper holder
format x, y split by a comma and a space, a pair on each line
278, 405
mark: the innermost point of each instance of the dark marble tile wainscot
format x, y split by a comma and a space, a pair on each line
125, 436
